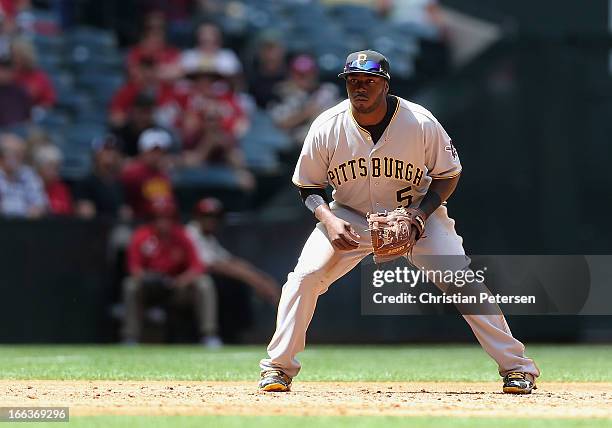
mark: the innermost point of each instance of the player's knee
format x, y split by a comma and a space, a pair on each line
307, 282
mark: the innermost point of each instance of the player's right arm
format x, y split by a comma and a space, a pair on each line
340, 232
310, 177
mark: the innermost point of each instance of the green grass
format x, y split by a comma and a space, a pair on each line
331, 363
319, 421
321, 363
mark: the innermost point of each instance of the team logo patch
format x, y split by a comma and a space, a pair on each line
451, 149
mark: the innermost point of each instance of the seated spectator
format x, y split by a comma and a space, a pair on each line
302, 98
269, 69
15, 102
145, 180
164, 268
140, 118
30, 77
209, 50
14, 16
145, 81
234, 277
47, 160
213, 119
212, 123
153, 45
101, 193
18, 17
207, 218
36, 138
21, 189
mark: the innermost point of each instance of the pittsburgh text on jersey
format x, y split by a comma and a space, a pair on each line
378, 167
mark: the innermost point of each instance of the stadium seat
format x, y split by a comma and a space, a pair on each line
79, 136
92, 37
209, 176
52, 62
101, 86
86, 62
73, 101
54, 120
264, 134
48, 44
21, 129
75, 165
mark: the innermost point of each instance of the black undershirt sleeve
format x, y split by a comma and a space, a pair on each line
313, 197
305, 192
430, 202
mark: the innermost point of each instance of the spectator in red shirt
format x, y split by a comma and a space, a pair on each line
145, 81
164, 268
212, 123
145, 180
153, 44
30, 77
48, 160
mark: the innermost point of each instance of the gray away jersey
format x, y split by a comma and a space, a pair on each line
367, 177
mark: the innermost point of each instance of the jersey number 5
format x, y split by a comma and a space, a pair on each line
403, 195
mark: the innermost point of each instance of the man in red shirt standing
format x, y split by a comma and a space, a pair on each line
144, 179
164, 268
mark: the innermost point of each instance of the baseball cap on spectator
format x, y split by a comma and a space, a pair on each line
226, 66
303, 64
201, 66
105, 142
208, 207
154, 138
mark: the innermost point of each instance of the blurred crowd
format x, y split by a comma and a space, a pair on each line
176, 109
184, 101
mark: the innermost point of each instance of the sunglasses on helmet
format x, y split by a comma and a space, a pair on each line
363, 66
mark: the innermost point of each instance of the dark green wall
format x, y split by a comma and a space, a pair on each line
53, 281
544, 18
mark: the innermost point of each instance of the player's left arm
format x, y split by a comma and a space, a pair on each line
444, 167
440, 190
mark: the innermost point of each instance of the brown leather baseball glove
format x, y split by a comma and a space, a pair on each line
395, 233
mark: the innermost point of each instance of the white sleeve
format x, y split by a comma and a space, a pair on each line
441, 158
312, 164
208, 248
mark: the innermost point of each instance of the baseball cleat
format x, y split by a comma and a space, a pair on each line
274, 381
518, 383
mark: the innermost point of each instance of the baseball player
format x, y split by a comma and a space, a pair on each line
378, 152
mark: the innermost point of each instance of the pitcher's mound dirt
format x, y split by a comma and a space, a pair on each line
575, 400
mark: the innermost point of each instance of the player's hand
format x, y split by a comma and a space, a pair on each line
341, 234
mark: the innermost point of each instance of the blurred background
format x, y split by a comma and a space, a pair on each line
121, 119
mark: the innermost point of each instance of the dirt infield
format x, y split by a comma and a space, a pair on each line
572, 400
